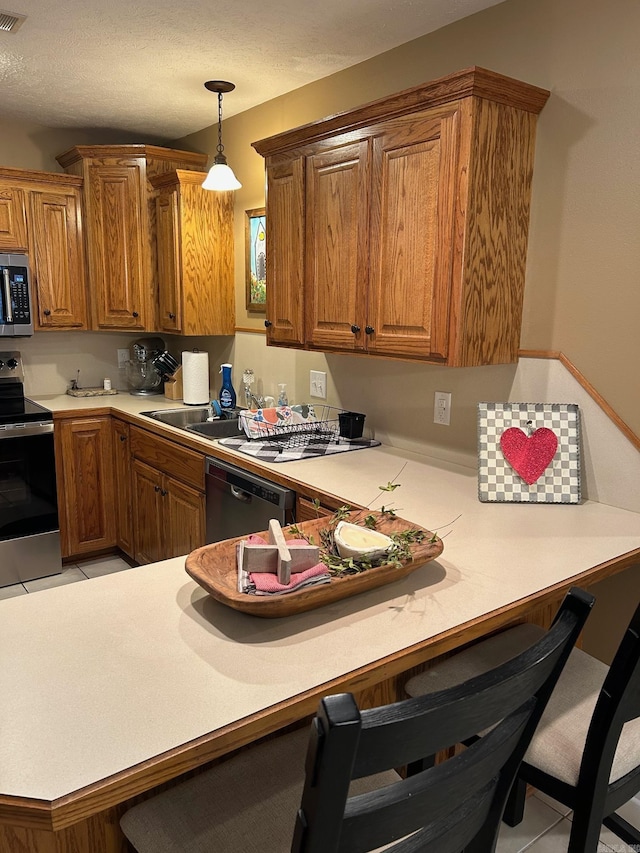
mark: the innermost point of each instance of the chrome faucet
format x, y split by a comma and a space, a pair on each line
251, 400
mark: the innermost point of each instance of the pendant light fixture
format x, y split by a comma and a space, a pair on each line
220, 175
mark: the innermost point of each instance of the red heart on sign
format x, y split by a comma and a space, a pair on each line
529, 455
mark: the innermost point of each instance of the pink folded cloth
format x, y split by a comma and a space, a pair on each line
268, 582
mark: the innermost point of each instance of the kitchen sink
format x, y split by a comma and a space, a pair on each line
194, 419
216, 429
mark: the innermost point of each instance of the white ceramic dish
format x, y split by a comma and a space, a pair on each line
355, 541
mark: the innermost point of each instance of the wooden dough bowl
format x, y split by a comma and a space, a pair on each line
214, 567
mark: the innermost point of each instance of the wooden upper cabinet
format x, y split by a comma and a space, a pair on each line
13, 223
285, 251
169, 280
194, 230
58, 255
413, 216
119, 265
46, 221
120, 227
337, 246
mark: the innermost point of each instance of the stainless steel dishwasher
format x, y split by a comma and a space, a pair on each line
239, 503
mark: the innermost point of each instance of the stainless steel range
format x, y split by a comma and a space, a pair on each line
29, 529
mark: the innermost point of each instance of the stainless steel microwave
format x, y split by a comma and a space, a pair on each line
16, 319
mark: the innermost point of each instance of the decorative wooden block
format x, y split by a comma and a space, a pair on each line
264, 558
276, 537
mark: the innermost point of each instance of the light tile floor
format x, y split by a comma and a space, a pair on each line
70, 574
546, 824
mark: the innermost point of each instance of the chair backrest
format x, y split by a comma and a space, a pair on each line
618, 703
456, 804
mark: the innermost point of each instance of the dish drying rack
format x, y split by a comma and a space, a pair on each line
307, 424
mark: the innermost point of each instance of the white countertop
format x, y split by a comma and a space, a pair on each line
98, 676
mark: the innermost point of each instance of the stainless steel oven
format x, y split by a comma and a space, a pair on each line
29, 528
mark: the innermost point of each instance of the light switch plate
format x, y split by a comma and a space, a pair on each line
318, 384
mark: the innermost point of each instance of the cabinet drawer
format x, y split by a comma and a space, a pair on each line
185, 465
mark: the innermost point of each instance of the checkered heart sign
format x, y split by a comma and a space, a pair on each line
529, 455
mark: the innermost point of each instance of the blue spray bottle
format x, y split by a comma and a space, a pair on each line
227, 394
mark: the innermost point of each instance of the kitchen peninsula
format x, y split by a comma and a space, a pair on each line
112, 687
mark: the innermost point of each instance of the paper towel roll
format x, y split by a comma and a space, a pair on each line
195, 378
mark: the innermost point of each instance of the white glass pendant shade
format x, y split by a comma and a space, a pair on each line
221, 178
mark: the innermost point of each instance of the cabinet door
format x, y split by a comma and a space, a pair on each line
285, 252
336, 272
148, 486
58, 259
122, 488
84, 462
184, 519
169, 284
413, 215
13, 222
118, 262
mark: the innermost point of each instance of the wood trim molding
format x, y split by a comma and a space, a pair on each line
624, 428
251, 330
470, 82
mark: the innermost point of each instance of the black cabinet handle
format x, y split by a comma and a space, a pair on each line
46, 312
355, 329
369, 330
156, 488
122, 437
135, 314
172, 316
267, 323
164, 493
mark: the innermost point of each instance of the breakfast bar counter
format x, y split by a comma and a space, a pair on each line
111, 687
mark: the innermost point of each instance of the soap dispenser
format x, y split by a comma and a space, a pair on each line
227, 394
283, 400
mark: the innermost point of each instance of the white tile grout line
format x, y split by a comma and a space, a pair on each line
541, 834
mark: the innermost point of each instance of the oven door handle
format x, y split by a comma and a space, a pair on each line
8, 309
19, 430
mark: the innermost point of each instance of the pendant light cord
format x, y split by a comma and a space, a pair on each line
220, 148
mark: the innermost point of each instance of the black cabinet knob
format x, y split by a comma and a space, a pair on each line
369, 330
156, 488
164, 493
47, 312
135, 314
123, 438
355, 329
267, 323
172, 316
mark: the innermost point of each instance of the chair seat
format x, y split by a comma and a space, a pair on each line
559, 741
245, 805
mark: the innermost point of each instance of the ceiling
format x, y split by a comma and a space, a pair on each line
140, 66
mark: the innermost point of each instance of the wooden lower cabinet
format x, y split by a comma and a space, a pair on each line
168, 516
84, 466
307, 510
122, 497
168, 498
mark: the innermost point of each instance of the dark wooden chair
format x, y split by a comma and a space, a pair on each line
352, 799
585, 752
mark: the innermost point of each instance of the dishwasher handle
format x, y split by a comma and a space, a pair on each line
239, 495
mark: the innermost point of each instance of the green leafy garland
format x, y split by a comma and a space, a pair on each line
398, 554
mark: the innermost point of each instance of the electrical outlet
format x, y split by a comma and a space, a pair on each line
318, 384
123, 357
442, 408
